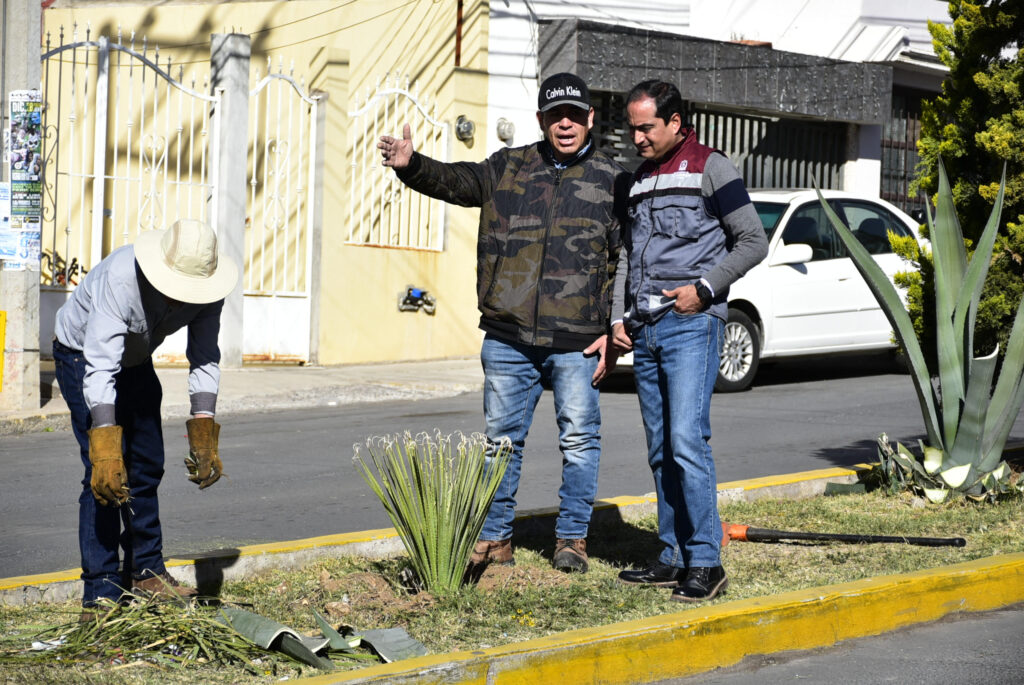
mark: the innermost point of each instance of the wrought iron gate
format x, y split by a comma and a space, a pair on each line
277, 279
130, 145
125, 149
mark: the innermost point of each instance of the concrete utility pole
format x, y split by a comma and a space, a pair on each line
229, 63
19, 290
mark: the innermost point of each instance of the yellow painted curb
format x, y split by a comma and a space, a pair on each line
363, 540
792, 478
701, 639
272, 548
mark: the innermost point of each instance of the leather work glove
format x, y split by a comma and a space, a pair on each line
203, 462
109, 481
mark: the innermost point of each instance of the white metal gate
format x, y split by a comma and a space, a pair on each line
125, 148
130, 145
382, 211
279, 221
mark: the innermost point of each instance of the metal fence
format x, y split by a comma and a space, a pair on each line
282, 163
900, 133
769, 152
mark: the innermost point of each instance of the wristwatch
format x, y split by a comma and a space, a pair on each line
704, 293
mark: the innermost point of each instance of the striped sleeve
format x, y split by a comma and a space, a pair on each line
726, 197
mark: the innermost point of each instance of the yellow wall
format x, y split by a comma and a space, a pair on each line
343, 49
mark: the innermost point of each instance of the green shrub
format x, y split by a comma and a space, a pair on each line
437, 494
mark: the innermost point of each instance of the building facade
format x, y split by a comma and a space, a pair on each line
796, 93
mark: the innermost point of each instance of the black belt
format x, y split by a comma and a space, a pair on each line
58, 345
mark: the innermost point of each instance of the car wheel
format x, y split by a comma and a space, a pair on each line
741, 353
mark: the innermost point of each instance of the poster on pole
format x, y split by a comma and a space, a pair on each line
8, 239
24, 227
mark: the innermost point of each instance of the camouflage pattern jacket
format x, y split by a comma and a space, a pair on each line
549, 238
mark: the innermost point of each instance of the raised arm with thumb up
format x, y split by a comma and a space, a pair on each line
397, 152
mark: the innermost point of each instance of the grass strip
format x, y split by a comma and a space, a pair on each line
512, 604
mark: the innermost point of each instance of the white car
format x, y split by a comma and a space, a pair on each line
807, 298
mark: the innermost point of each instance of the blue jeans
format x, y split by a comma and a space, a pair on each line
513, 374
675, 363
134, 527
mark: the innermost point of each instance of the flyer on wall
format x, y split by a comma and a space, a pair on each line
23, 230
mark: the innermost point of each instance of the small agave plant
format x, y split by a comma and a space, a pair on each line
437, 491
967, 417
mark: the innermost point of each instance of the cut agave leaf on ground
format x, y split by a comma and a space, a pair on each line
299, 649
393, 644
335, 639
845, 488
271, 635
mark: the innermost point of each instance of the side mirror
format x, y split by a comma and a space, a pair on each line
797, 253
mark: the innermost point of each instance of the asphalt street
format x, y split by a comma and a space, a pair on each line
290, 473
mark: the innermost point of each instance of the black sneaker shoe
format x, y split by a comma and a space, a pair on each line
657, 575
702, 583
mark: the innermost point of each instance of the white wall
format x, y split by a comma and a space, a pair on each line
854, 30
862, 174
512, 59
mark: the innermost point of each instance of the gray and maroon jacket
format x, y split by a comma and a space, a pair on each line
690, 218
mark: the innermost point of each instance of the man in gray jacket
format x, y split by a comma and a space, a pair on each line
105, 336
692, 231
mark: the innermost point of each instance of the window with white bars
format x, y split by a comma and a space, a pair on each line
383, 212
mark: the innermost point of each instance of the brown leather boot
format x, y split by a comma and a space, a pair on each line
487, 552
90, 615
163, 586
493, 552
571, 555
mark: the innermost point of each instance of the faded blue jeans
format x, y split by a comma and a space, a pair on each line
513, 376
134, 527
675, 363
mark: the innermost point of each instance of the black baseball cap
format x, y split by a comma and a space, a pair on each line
563, 88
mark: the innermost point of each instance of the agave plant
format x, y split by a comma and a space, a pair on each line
967, 418
437, 493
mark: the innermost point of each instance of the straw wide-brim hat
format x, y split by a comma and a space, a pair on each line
183, 262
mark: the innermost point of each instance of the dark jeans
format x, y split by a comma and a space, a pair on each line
135, 526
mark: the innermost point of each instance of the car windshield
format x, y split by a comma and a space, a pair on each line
770, 213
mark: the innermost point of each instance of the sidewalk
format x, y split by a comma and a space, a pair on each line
266, 387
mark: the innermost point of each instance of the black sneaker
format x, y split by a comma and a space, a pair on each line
657, 575
702, 583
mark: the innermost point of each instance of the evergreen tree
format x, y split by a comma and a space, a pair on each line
977, 127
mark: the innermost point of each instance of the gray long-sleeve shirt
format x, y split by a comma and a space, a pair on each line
117, 319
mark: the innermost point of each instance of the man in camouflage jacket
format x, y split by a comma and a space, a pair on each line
548, 245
